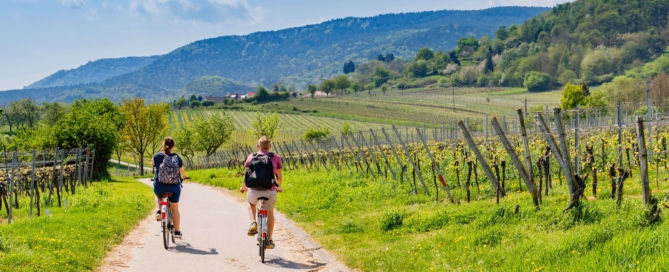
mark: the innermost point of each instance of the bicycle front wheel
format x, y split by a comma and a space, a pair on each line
166, 234
263, 244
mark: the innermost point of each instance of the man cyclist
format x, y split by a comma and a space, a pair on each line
264, 146
172, 163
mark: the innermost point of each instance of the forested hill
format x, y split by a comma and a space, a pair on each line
309, 53
589, 42
95, 71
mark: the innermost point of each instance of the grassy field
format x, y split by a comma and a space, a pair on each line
379, 225
76, 237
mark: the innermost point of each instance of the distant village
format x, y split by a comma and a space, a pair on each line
237, 96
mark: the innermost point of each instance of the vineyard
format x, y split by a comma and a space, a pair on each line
43, 177
291, 127
465, 167
431, 106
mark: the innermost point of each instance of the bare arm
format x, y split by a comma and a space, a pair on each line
183, 173
153, 163
279, 180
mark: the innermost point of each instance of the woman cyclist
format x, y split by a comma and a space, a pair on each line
159, 188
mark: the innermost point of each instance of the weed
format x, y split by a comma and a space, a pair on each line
392, 220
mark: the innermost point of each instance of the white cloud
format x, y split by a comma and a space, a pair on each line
73, 3
201, 11
535, 3
90, 14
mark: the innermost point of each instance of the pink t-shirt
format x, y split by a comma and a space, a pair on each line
276, 163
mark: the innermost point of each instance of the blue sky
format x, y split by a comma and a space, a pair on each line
40, 37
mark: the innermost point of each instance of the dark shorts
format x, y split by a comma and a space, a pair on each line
159, 188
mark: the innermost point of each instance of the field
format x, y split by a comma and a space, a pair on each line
77, 236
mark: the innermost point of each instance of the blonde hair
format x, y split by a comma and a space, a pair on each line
264, 143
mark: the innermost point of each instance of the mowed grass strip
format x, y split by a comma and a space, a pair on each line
77, 237
378, 225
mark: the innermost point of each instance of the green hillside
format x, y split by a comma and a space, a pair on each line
319, 50
95, 71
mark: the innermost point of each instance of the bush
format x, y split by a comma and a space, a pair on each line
195, 104
208, 103
392, 220
316, 133
537, 81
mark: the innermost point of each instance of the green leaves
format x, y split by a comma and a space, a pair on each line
265, 125
90, 123
537, 81
210, 133
572, 96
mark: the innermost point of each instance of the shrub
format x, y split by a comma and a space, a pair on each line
537, 81
391, 220
316, 133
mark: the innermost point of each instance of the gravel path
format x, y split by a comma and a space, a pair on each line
214, 223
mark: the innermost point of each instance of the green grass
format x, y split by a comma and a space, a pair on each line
378, 225
77, 237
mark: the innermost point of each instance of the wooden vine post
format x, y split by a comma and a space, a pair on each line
408, 153
564, 146
644, 162
11, 189
318, 155
299, 152
371, 152
385, 158
435, 165
557, 153
362, 155
392, 148
309, 155
358, 164
481, 159
621, 172
32, 183
526, 147
341, 154
516, 161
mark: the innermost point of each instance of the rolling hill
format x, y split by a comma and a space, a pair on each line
93, 71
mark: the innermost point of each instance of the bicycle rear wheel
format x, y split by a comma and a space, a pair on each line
166, 229
172, 229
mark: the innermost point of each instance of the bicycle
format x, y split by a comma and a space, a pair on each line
262, 228
166, 222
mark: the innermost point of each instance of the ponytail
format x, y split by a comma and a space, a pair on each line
168, 144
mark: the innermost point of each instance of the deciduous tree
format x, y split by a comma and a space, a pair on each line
212, 132
145, 126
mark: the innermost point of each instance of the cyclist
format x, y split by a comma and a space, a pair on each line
264, 146
173, 171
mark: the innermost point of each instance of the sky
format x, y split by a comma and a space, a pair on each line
40, 37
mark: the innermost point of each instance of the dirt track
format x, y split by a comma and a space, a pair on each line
214, 223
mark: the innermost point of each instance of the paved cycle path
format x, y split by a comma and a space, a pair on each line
214, 223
